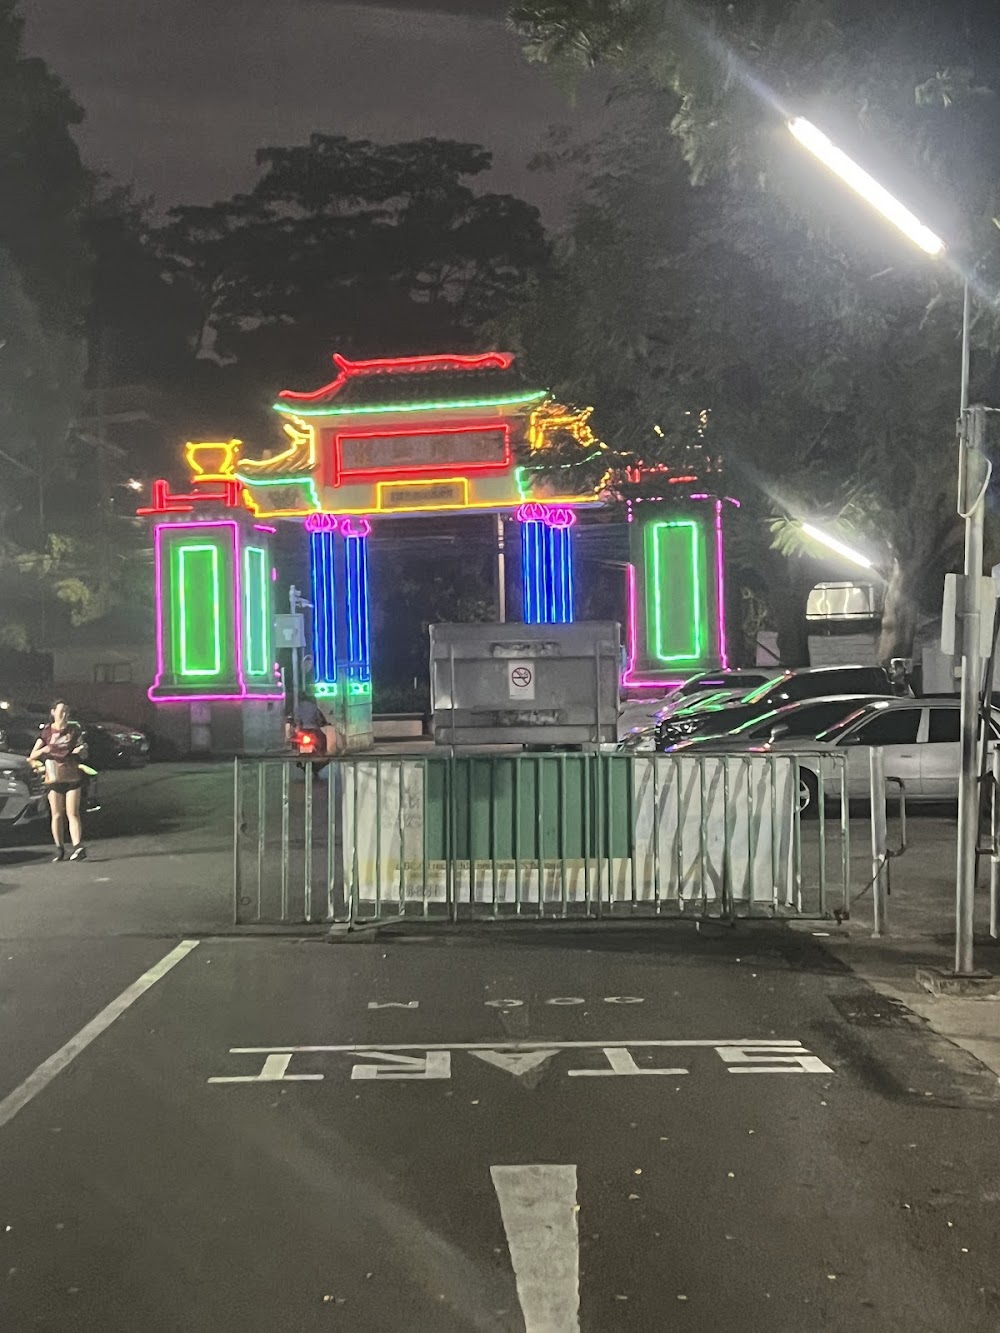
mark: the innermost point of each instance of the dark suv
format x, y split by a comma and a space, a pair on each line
790, 687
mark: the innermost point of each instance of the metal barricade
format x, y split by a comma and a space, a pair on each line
445, 837
995, 844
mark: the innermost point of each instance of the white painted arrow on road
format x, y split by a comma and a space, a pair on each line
538, 1207
514, 1062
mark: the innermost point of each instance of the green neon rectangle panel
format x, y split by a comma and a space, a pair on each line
197, 609
256, 618
676, 613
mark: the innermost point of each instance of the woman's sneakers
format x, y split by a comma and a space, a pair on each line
77, 854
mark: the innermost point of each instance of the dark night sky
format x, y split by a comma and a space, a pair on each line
179, 93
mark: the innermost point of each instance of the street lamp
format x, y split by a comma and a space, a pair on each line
841, 548
971, 508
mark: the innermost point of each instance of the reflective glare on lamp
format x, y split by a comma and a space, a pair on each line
824, 539
866, 186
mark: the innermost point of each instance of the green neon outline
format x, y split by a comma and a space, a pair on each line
654, 590
358, 689
181, 609
274, 481
249, 607
383, 408
251, 483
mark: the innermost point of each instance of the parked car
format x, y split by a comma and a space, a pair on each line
789, 687
637, 740
19, 728
799, 721
22, 793
919, 737
802, 722
722, 683
115, 745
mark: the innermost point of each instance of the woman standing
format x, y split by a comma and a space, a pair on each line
62, 747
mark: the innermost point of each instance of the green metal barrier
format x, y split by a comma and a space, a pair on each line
494, 836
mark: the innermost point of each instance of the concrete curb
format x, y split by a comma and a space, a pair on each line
981, 986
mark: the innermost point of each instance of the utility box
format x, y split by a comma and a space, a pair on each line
525, 684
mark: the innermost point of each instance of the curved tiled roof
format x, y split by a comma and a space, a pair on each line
413, 380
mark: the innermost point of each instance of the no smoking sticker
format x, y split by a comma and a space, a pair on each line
521, 680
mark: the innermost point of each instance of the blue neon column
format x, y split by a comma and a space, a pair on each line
547, 572
323, 564
359, 657
561, 567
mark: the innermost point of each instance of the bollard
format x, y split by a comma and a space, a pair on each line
880, 855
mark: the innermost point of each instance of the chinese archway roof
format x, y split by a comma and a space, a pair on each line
393, 383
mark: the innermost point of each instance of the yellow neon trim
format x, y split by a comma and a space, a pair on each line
299, 434
413, 485
549, 418
212, 460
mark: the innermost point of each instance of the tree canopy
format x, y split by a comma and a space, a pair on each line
347, 245
824, 349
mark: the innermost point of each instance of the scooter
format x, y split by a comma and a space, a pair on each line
309, 741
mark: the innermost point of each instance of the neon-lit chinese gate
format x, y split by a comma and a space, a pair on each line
401, 438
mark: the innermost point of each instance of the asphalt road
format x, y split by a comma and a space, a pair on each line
483, 1134
356, 1186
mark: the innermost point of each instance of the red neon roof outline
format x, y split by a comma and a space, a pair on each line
404, 364
164, 501
342, 476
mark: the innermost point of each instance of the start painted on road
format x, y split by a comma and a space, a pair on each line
573, 1059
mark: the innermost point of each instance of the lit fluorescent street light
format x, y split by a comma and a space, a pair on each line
859, 181
824, 539
971, 471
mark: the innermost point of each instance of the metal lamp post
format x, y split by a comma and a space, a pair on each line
971, 508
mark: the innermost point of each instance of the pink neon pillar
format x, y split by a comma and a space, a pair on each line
720, 586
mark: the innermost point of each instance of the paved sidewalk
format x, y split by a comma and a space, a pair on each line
920, 934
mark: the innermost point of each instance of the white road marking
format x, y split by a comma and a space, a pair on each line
779, 1060
275, 1071
621, 1063
748, 1043
514, 1062
436, 1064
41, 1078
434, 1060
538, 1207
394, 1004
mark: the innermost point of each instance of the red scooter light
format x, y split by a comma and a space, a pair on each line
305, 740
